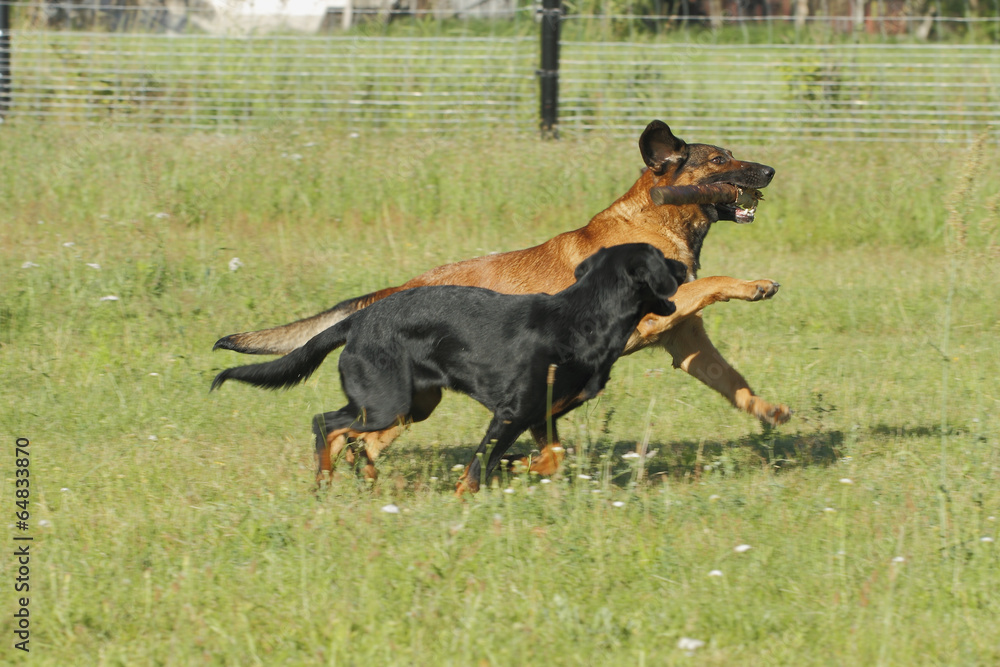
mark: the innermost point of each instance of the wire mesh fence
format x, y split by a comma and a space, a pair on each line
207, 82
832, 92
141, 77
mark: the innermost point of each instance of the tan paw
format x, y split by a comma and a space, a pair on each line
772, 415
759, 290
549, 460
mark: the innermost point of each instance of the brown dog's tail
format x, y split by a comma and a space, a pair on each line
288, 337
294, 367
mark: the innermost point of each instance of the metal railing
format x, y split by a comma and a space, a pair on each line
833, 92
194, 80
211, 82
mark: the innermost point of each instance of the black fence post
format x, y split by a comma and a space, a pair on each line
549, 73
4, 57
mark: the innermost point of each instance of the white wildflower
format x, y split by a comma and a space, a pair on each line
390, 509
742, 548
689, 644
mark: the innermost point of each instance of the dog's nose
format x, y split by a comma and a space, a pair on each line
767, 173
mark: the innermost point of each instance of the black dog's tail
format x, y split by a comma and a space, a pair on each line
288, 337
292, 368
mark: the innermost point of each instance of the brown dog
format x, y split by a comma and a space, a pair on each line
678, 231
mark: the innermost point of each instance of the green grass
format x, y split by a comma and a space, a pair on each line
205, 543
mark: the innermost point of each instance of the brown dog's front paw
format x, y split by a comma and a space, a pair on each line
775, 415
762, 289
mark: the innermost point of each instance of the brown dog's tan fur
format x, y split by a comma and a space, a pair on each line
678, 231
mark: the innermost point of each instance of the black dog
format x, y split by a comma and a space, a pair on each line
496, 348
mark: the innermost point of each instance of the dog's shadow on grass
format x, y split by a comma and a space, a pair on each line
676, 459
687, 458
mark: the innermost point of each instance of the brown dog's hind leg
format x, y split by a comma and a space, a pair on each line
693, 352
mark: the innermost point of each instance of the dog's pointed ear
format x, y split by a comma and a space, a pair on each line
586, 265
660, 148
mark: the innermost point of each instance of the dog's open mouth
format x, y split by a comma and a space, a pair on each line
741, 211
732, 202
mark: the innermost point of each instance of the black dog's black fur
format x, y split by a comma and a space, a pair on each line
496, 348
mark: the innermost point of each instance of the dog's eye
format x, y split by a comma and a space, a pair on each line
719, 159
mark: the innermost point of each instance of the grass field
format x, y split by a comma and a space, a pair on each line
173, 526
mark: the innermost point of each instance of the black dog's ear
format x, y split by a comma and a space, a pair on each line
658, 276
660, 148
661, 277
586, 265
678, 270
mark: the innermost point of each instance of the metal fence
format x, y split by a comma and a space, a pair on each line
842, 92
882, 92
207, 82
